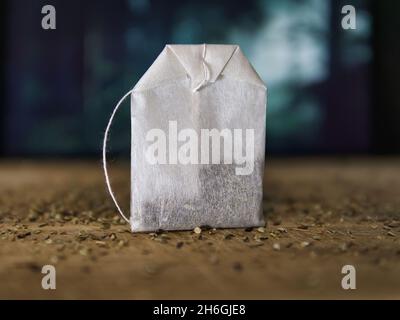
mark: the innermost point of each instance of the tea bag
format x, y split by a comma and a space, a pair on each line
198, 141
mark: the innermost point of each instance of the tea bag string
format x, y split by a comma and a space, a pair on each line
205, 69
105, 158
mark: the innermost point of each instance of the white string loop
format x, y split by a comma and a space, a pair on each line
105, 158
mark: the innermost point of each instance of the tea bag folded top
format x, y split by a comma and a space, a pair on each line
198, 141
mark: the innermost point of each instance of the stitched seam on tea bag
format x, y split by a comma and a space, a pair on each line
160, 84
226, 63
255, 85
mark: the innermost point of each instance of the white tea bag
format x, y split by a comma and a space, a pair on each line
198, 141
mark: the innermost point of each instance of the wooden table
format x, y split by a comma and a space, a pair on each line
321, 214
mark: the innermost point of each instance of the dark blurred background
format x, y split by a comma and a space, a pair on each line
331, 91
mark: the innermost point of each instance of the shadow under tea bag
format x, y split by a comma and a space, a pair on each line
198, 141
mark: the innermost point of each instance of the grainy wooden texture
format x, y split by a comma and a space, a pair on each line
321, 214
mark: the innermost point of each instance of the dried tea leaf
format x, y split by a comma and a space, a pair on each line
228, 236
23, 235
276, 246
305, 244
122, 243
394, 224
84, 251
101, 243
303, 226
273, 235
165, 237
256, 244
105, 225
237, 266
113, 236
33, 216
179, 244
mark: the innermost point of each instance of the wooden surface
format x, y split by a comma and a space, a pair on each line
321, 214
